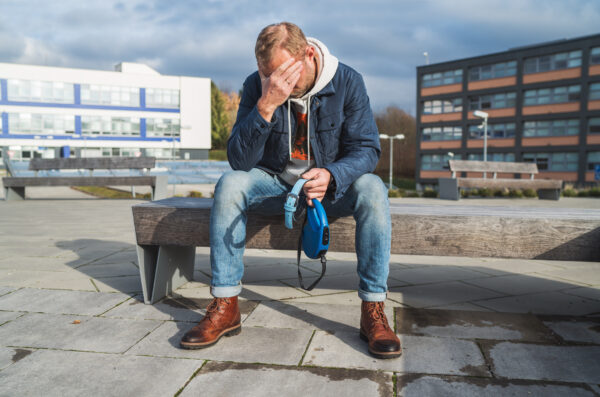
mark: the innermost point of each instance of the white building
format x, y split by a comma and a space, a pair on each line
132, 111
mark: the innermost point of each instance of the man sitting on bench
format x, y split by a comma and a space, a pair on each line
302, 114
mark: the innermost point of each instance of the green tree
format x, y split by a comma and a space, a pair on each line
219, 119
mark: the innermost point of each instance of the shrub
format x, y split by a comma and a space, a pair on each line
569, 192
430, 193
529, 193
515, 193
595, 192
583, 193
395, 193
194, 193
485, 192
501, 192
464, 193
412, 193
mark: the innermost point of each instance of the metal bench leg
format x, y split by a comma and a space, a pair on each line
14, 193
449, 188
549, 194
159, 191
163, 269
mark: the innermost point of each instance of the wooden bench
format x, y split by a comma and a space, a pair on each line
449, 188
167, 232
14, 186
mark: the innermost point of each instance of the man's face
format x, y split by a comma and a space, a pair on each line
306, 79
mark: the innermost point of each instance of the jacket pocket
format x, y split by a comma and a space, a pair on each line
329, 129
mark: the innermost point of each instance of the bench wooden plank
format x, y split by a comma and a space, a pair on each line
168, 230
501, 183
492, 166
97, 163
80, 181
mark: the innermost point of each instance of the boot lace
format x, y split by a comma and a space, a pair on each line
215, 307
377, 313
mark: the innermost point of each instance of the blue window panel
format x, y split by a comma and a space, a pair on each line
142, 97
143, 127
77, 94
78, 125
3, 91
4, 123
103, 107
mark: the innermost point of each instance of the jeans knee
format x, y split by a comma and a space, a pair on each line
370, 189
231, 186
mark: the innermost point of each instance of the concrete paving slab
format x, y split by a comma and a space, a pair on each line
334, 267
166, 309
270, 272
9, 356
60, 301
584, 292
6, 290
95, 374
472, 325
588, 274
271, 290
577, 331
474, 387
34, 263
419, 355
430, 295
9, 316
252, 345
274, 381
125, 256
434, 274
124, 284
330, 318
56, 331
543, 303
462, 306
201, 277
519, 284
96, 270
557, 363
41, 279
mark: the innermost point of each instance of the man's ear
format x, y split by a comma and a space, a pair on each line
310, 52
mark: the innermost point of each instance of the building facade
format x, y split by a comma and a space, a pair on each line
132, 111
543, 103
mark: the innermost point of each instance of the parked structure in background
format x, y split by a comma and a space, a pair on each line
543, 103
132, 111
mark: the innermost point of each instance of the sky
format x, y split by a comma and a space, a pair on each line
383, 40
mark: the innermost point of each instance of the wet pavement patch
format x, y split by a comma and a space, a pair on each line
464, 324
345, 381
432, 385
20, 354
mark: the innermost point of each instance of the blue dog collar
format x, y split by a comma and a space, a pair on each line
291, 203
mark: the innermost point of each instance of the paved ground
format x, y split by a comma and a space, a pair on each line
72, 321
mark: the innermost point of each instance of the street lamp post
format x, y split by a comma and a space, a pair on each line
391, 138
484, 116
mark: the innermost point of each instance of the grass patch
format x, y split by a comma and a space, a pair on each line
109, 192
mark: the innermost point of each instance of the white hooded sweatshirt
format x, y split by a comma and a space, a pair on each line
300, 157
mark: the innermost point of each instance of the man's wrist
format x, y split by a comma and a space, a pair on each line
265, 110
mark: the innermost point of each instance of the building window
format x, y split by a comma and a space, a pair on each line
162, 153
162, 98
40, 91
544, 96
92, 94
436, 161
595, 56
551, 128
594, 126
442, 78
594, 91
441, 134
493, 131
494, 71
162, 127
33, 123
510, 157
106, 125
553, 161
495, 101
593, 159
563, 60
442, 106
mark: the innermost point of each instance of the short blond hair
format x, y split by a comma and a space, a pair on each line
283, 35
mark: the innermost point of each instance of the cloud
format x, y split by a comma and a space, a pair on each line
383, 39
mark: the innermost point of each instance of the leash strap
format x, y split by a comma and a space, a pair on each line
323, 262
291, 203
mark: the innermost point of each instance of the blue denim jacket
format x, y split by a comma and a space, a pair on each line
343, 135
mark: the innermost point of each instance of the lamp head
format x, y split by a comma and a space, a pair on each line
384, 136
479, 113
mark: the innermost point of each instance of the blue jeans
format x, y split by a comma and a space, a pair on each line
237, 192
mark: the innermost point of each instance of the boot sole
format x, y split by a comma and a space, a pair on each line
380, 354
201, 345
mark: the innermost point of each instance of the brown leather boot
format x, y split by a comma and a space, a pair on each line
374, 329
222, 318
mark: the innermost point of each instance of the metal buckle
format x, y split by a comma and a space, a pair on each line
291, 201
